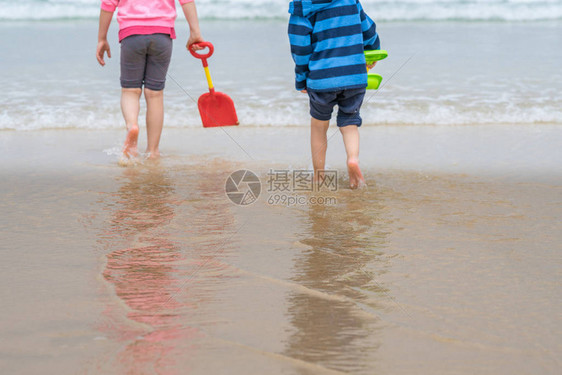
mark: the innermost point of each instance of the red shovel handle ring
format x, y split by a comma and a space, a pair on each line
201, 56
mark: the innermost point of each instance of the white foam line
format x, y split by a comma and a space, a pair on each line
399, 10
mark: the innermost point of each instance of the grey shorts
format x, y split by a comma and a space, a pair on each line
349, 103
145, 60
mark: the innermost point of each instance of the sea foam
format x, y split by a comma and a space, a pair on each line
396, 10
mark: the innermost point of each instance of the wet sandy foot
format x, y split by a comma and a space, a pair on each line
356, 179
130, 146
152, 156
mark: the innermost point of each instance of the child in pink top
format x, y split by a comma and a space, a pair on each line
146, 30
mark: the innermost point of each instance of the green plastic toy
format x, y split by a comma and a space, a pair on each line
375, 55
374, 80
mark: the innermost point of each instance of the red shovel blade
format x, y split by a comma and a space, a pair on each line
217, 109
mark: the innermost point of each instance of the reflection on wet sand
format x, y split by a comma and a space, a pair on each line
339, 331
161, 251
143, 274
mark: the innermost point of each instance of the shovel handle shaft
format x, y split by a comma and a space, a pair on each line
209, 80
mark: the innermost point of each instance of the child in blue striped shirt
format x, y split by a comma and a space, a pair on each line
327, 39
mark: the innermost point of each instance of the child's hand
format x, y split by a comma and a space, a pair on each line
103, 47
194, 38
304, 91
371, 65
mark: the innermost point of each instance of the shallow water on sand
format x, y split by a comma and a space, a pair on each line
151, 269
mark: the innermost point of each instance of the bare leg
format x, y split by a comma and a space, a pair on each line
130, 107
154, 121
318, 145
350, 135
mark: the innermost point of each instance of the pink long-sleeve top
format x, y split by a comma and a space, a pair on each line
144, 16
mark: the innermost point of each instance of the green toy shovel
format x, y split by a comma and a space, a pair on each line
374, 80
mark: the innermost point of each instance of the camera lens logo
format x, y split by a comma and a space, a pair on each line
243, 187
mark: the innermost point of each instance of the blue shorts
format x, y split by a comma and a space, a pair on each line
349, 103
145, 60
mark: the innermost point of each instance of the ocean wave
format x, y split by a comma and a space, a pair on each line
286, 110
398, 10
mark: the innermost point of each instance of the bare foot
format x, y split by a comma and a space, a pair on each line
153, 156
130, 146
356, 179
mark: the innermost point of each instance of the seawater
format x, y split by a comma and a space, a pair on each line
444, 73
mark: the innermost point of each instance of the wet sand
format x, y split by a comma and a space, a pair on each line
448, 263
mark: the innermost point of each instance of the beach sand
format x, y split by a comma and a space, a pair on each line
449, 262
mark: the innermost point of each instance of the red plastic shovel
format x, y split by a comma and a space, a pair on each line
215, 108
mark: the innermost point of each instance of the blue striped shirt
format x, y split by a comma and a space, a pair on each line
327, 39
